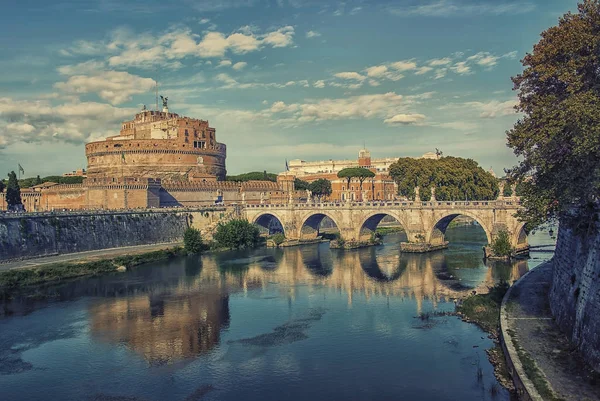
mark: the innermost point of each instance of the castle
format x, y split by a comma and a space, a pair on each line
159, 159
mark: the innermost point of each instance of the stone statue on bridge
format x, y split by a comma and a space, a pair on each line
433, 194
417, 197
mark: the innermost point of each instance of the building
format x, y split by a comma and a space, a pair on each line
159, 159
76, 173
380, 187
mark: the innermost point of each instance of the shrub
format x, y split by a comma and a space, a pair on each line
237, 234
192, 240
501, 244
278, 238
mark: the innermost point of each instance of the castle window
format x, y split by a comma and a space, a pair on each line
203, 134
195, 134
186, 132
186, 141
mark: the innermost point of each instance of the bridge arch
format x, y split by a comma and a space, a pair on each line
519, 239
309, 229
436, 234
269, 223
369, 224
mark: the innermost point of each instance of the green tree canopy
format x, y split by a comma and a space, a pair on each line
507, 189
355, 172
13, 191
237, 234
558, 137
2, 186
454, 179
31, 181
320, 188
37, 181
192, 240
301, 185
252, 176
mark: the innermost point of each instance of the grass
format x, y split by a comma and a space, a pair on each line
533, 372
17, 278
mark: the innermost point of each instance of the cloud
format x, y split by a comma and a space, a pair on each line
88, 67
125, 48
239, 65
350, 75
405, 119
440, 73
203, 21
458, 125
461, 68
484, 59
312, 34
224, 63
437, 62
423, 70
38, 121
319, 84
376, 71
113, 86
404, 65
494, 108
449, 8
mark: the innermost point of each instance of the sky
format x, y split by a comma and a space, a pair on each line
278, 79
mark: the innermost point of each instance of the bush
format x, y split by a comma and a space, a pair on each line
237, 234
278, 238
501, 244
192, 240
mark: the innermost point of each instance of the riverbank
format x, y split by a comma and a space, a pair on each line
20, 277
545, 364
484, 311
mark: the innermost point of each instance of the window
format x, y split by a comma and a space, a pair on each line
186, 132
195, 134
203, 134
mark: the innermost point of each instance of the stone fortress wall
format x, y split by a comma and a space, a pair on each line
575, 291
28, 236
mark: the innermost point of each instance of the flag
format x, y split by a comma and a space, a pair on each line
21, 169
287, 168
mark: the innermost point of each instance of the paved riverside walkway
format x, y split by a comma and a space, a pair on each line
87, 256
529, 317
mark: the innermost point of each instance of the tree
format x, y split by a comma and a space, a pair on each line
37, 181
301, 185
192, 240
454, 179
320, 188
2, 186
507, 189
501, 244
355, 172
13, 192
252, 176
237, 234
558, 137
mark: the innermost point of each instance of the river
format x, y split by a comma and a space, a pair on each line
304, 323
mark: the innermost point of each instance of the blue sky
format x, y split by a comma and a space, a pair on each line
278, 79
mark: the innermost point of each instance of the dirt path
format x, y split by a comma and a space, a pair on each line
530, 318
87, 256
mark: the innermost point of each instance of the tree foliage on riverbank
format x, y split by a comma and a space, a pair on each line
253, 176
192, 241
237, 234
454, 179
558, 137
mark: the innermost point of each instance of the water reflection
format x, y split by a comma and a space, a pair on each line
233, 320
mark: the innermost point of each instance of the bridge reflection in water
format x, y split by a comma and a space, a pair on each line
175, 311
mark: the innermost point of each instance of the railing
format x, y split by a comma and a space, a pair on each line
94, 212
394, 204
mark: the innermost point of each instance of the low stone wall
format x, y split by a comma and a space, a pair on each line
35, 235
575, 292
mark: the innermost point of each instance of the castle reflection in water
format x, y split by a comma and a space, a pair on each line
177, 313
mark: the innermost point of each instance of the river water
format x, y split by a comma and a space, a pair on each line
305, 323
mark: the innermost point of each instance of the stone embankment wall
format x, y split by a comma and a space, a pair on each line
28, 236
575, 292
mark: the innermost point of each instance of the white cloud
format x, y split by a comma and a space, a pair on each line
461, 68
114, 86
494, 108
39, 121
350, 75
312, 34
376, 71
449, 8
510, 55
423, 70
459, 125
224, 63
440, 73
203, 21
437, 62
319, 84
91, 66
125, 48
404, 65
405, 119
239, 65
484, 59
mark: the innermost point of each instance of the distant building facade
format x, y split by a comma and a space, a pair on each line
381, 187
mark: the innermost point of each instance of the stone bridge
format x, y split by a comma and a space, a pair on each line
425, 223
